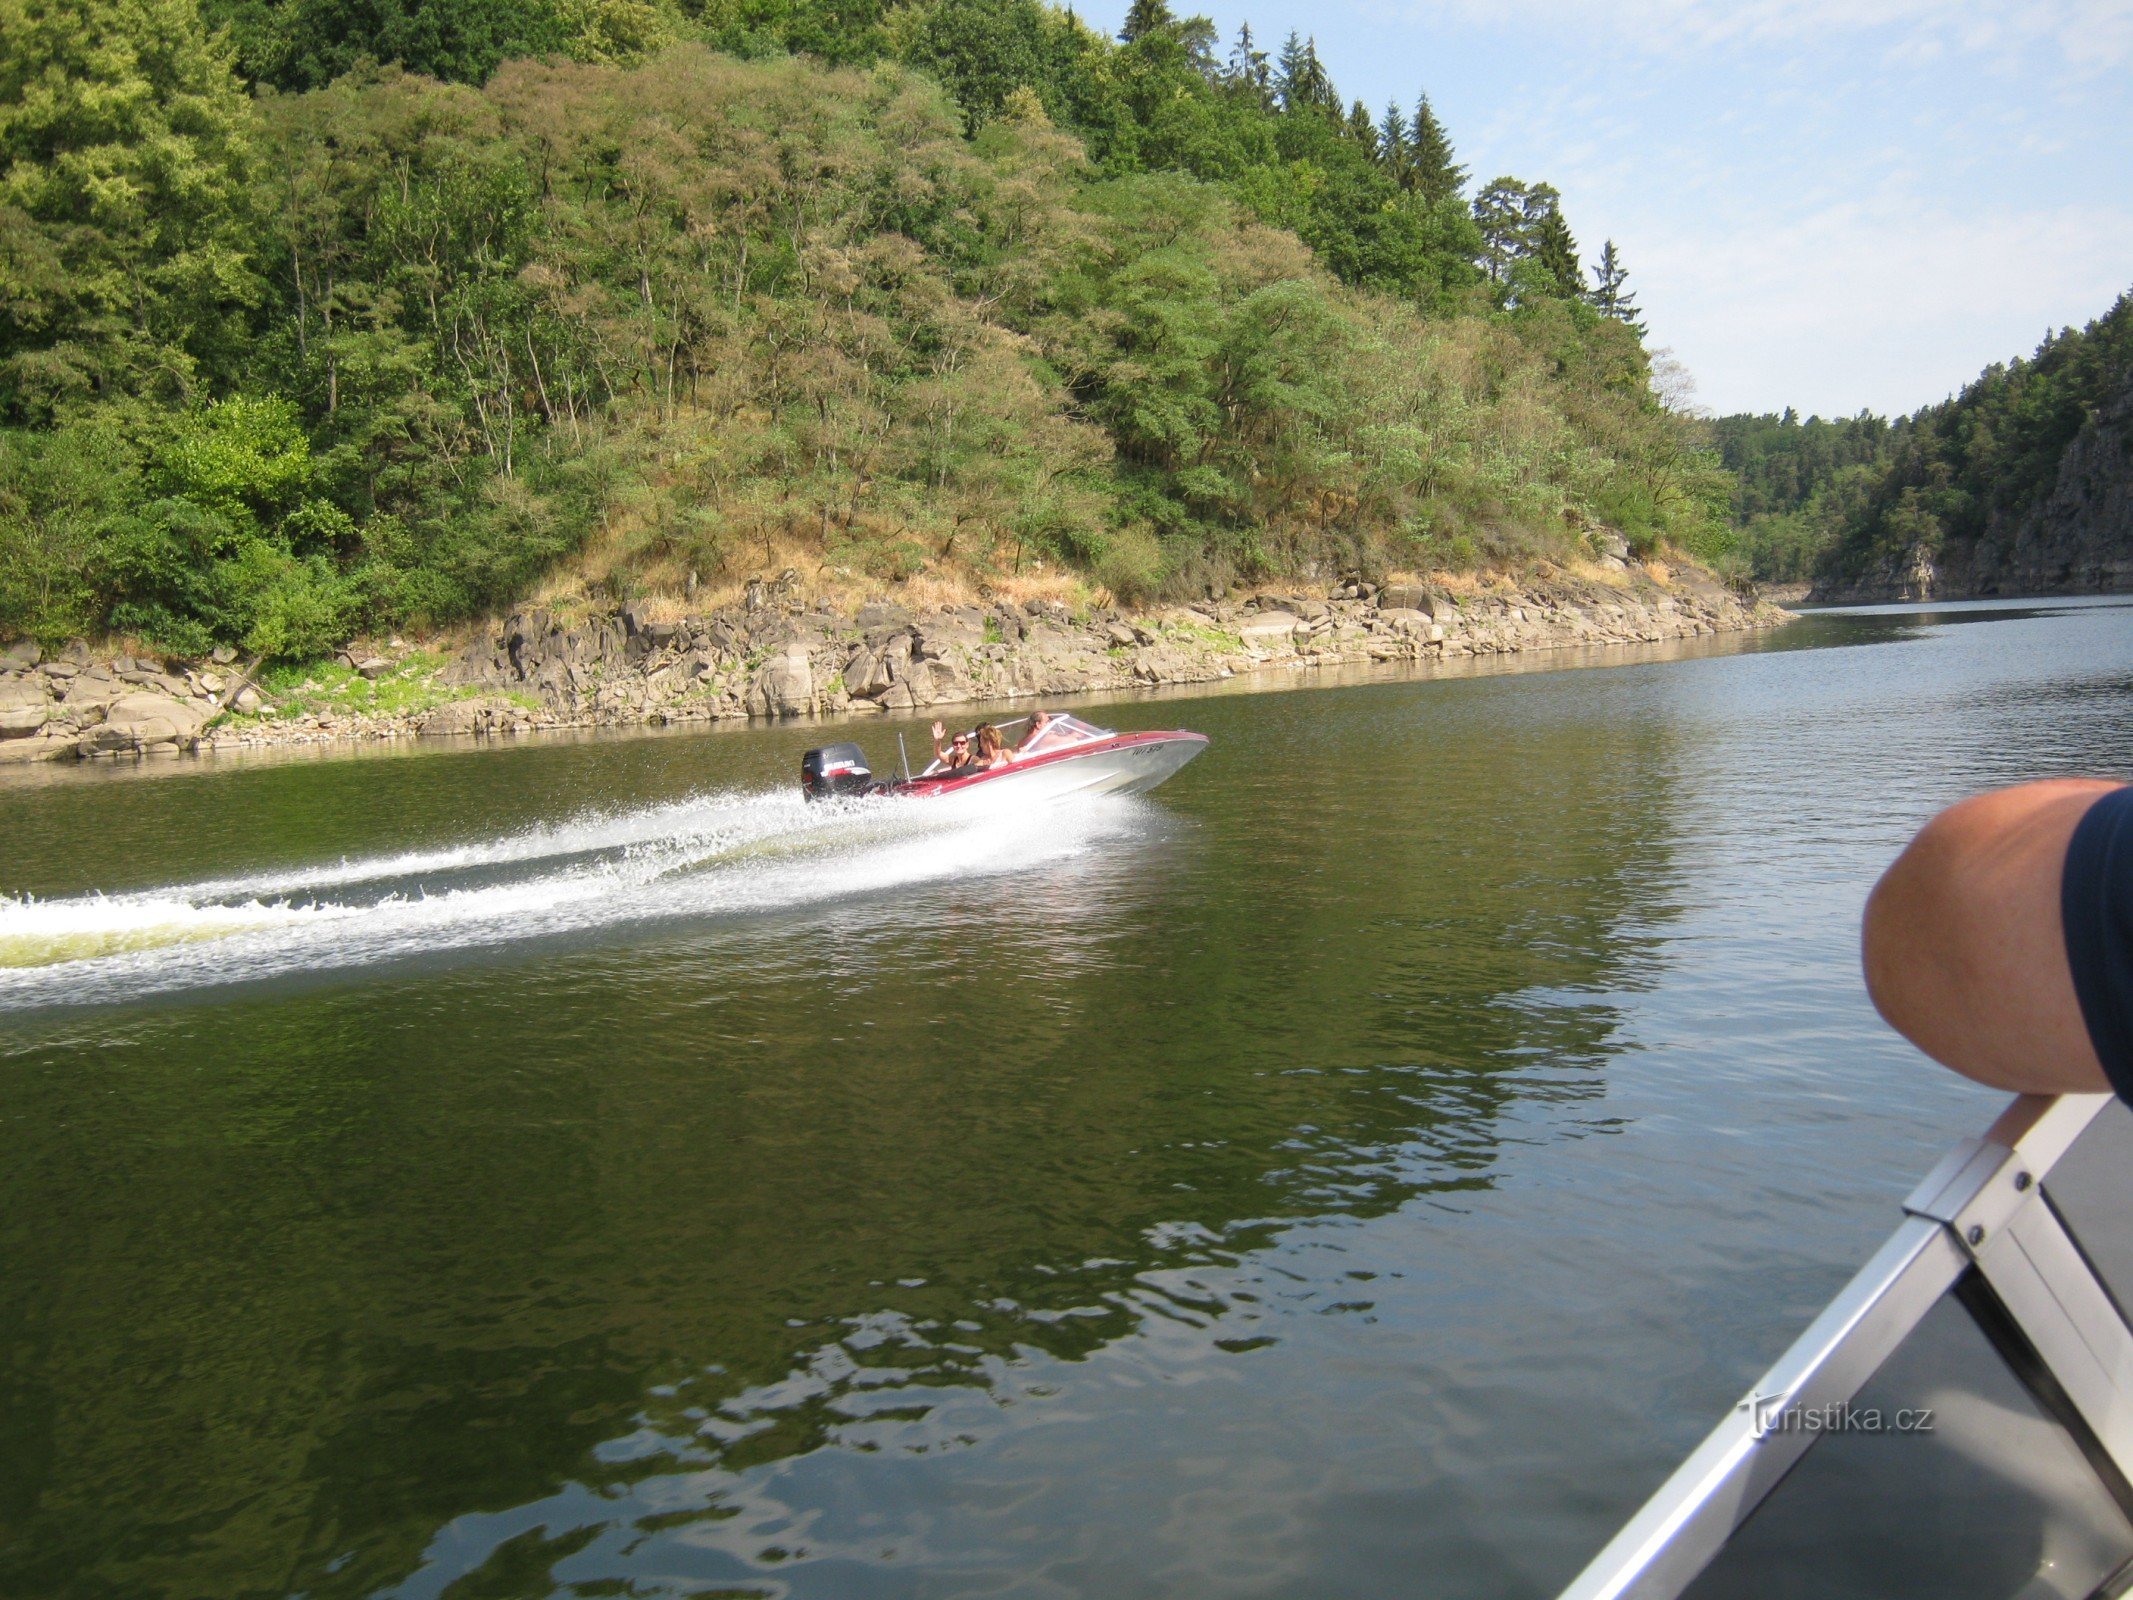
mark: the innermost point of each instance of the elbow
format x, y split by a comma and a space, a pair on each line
1904, 952
1962, 947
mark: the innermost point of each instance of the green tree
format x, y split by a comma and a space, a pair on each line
1300, 79
1144, 17
1393, 147
126, 149
1555, 252
1248, 69
1432, 170
1609, 295
981, 50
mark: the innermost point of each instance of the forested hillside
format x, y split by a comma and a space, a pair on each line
326, 315
1794, 481
2023, 483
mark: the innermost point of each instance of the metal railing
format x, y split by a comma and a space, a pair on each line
2026, 1243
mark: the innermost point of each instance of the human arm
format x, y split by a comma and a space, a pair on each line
1964, 946
940, 731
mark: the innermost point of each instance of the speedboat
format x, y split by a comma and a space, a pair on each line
1061, 756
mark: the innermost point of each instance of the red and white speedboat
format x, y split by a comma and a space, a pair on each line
1061, 756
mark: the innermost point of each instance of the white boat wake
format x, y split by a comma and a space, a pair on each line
712, 856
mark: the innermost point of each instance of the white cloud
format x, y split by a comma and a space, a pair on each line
1836, 311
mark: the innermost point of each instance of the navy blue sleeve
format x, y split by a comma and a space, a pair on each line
2096, 908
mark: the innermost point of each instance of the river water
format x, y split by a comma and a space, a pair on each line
1362, 1167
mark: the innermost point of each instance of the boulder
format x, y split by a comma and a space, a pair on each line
104, 741
947, 681
863, 672
1267, 628
21, 656
1159, 665
20, 694
1407, 619
373, 667
94, 688
784, 685
458, 718
142, 723
23, 721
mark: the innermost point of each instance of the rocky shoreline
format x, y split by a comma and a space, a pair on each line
778, 656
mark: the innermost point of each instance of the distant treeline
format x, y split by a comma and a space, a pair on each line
1838, 500
321, 315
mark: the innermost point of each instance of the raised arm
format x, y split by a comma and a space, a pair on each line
1965, 949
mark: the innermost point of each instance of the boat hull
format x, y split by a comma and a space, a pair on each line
1128, 763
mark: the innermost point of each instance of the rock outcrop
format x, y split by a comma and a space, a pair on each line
784, 658
70, 705
2076, 539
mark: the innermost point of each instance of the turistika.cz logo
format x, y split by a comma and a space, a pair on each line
1768, 1414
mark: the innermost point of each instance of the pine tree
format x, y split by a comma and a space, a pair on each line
1556, 250
1248, 65
1362, 130
1608, 295
1301, 80
1435, 175
1144, 17
1500, 212
1392, 143
1289, 72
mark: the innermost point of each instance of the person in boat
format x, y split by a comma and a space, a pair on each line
1039, 721
958, 758
992, 749
2000, 942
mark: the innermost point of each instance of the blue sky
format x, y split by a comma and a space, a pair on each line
1832, 204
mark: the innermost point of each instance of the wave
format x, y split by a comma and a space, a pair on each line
710, 856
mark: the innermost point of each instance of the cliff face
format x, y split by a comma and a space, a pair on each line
2075, 539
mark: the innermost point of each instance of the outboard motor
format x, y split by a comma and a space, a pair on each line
835, 769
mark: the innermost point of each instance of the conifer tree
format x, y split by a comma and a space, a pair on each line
1435, 175
1144, 17
1500, 212
1301, 79
1392, 143
1555, 250
1362, 130
1608, 295
1248, 64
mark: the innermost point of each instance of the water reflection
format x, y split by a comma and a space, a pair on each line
901, 1240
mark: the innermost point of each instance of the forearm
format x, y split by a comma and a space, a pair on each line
1963, 946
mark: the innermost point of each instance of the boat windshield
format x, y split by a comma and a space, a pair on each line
1063, 733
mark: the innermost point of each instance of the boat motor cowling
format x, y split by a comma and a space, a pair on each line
835, 769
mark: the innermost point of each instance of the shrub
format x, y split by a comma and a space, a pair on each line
1130, 565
